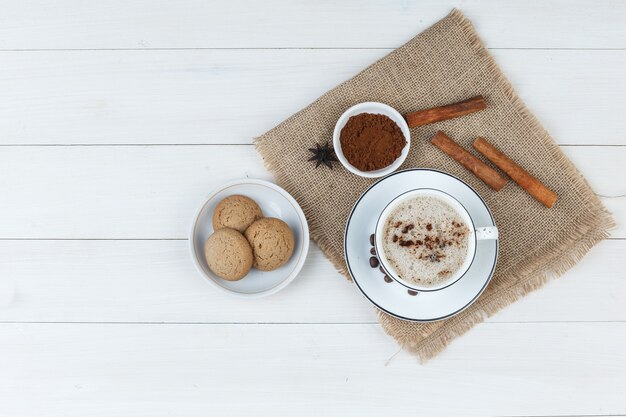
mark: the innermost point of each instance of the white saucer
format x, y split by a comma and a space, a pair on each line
393, 297
275, 202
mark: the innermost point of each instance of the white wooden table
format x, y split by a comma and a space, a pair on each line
117, 117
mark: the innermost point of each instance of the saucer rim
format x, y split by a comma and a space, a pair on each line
345, 247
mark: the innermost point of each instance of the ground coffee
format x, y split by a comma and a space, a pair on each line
371, 141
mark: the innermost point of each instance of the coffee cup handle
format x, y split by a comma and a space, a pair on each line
486, 233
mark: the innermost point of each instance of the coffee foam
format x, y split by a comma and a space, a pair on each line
425, 241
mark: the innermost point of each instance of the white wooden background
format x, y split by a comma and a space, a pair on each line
117, 117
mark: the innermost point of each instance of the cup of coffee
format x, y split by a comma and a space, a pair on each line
426, 240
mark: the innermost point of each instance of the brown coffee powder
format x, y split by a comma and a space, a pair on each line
371, 141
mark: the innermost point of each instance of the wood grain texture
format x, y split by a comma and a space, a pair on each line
145, 24
161, 72
155, 282
165, 97
152, 192
199, 370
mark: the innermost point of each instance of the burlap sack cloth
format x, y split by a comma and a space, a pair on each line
444, 64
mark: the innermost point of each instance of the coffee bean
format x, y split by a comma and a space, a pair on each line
372, 239
387, 278
373, 251
382, 270
374, 262
411, 292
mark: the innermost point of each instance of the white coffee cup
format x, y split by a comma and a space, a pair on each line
476, 233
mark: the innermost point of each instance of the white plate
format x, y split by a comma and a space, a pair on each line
393, 297
275, 202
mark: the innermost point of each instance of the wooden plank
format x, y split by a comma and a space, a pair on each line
231, 96
114, 192
192, 370
155, 281
34, 24
149, 192
554, 86
136, 97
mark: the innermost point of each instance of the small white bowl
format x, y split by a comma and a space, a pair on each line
275, 202
374, 108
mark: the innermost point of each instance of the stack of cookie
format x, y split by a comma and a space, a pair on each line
243, 239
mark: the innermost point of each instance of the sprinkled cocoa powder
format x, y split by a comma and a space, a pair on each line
371, 141
425, 240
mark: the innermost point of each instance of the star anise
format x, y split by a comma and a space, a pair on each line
323, 155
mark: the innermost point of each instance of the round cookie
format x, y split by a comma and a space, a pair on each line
236, 212
228, 254
272, 243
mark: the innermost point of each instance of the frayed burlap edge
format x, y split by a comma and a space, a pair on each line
282, 179
590, 229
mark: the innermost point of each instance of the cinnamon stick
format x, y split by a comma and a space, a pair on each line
437, 114
469, 161
532, 185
